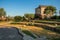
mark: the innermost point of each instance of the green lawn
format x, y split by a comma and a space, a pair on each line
28, 33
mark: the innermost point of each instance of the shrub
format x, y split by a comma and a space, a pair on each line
17, 18
30, 24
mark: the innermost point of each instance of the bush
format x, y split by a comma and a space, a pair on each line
17, 18
55, 17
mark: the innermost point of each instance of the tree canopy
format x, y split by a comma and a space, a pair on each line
50, 9
29, 16
2, 12
17, 18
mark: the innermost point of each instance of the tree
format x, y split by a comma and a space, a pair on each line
29, 16
50, 10
2, 12
18, 18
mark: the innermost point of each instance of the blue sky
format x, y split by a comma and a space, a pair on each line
20, 7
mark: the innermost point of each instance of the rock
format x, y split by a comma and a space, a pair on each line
10, 34
55, 24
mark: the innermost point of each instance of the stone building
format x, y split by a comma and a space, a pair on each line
39, 12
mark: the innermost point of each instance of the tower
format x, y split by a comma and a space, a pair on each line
39, 12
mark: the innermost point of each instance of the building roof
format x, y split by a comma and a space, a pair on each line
42, 6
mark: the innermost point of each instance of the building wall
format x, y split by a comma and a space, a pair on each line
42, 11
39, 11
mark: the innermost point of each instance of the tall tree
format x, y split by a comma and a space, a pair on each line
2, 12
50, 10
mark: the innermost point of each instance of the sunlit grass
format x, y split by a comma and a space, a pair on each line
36, 30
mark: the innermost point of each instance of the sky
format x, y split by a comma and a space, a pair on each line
20, 7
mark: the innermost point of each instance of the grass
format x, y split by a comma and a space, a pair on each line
55, 38
14, 23
58, 20
35, 29
44, 21
28, 33
58, 27
41, 32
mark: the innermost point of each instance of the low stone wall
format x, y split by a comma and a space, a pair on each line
48, 28
43, 26
51, 23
